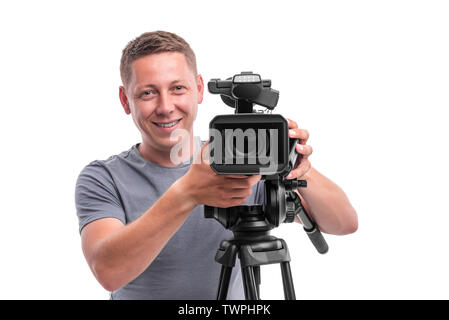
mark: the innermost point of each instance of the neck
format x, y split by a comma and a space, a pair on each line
170, 156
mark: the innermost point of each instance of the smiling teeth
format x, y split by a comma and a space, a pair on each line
167, 125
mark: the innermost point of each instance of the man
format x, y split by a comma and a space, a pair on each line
141, 215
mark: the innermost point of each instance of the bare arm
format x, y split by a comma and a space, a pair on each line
325, 201
117, 254
327, 204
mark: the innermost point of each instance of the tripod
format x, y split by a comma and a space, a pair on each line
253, 244
253, 251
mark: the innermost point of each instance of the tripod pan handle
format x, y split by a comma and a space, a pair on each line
317, 239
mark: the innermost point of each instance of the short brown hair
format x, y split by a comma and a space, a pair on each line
151, 43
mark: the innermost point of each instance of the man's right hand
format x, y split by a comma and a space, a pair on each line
203, 186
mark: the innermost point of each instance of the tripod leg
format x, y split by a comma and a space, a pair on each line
223, 285
287, 281
257, 277
249, 283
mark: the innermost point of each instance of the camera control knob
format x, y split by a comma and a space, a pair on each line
290, 212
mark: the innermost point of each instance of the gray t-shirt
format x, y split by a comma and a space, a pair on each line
124, 186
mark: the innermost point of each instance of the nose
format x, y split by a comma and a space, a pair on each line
165, 105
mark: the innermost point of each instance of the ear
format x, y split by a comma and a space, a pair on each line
200, 87
124, 100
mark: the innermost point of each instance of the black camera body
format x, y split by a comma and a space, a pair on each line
249, 142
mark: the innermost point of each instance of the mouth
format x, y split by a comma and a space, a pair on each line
167, 125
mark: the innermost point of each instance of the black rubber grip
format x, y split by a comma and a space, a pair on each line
317, 239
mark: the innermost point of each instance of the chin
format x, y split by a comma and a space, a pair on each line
165, 144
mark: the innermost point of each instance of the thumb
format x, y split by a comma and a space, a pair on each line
202, 155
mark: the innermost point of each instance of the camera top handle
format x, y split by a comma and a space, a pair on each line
243, 90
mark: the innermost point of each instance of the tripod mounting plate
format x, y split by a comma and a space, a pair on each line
252, 253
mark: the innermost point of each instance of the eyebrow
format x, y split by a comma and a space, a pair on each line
150, 85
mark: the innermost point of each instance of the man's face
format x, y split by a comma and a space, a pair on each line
163, 95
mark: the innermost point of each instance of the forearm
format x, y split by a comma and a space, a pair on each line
124, 254
328, 205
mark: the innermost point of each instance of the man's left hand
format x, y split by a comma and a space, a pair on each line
304, 150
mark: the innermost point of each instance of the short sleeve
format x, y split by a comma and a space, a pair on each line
96, 196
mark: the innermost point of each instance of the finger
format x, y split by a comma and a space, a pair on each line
239, 183
301, 134
237, 193
235, 176
205, 144
198, 153
250, 181
300, 170
255, 178
203, 154
304, 149
236, 202
292, 124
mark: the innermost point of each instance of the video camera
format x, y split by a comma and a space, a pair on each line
249, 142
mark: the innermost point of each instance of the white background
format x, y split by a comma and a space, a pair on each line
368, 79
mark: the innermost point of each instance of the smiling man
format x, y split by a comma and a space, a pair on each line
141, 215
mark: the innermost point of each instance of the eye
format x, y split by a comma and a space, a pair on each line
147, 94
